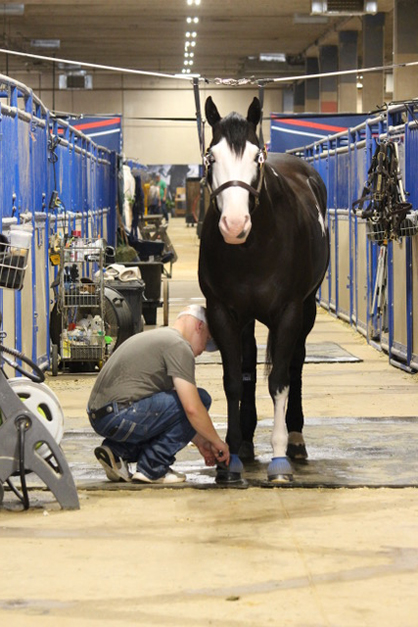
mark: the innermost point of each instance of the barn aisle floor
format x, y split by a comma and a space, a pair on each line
312, 555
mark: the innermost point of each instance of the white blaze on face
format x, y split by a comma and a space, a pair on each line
279, 435
233, 202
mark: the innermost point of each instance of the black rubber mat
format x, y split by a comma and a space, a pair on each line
343, 452
316, 353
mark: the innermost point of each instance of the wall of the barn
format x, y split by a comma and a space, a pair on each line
158, 115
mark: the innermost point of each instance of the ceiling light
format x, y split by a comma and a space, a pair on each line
343, 7
12, 9
192, 43
45, 43
278, 57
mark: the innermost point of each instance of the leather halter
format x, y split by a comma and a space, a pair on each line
261, 158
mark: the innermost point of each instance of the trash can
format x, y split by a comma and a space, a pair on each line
151, 273
132, 292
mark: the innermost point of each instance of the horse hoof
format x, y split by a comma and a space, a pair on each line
296, 448
279, 470
226, 478
231, 474
246, 451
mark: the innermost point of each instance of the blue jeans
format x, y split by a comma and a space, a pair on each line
149, 432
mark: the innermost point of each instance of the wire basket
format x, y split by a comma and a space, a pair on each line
14, 253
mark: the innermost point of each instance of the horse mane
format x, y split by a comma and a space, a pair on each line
234, 128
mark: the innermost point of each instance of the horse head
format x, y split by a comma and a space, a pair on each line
234, 169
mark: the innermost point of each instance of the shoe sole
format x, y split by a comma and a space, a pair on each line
112, 474
158, 481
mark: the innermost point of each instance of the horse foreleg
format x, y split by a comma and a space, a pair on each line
282, 342
228, 338
279, 469
248, 412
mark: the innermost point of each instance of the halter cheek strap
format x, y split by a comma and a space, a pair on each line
208, 160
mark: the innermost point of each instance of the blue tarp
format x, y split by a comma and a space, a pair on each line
104, 130
288, 131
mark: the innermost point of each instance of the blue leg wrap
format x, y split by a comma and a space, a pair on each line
280, 467
235, 464
231, 474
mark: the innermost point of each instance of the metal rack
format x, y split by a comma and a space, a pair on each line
80, 303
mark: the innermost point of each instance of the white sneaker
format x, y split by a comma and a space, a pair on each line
171, 476
116, 469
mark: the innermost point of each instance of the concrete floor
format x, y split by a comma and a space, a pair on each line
304, 557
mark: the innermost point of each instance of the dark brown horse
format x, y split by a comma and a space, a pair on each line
263, 254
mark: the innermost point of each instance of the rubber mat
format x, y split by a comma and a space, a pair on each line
316, 353
343, 453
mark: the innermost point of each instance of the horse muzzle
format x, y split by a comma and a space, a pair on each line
235, 232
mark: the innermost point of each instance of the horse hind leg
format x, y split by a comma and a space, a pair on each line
296, 448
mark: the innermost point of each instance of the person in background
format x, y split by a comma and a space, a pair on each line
147, 407
163, 196
153, 198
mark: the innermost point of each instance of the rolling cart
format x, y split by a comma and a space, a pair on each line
80, 303
31, 418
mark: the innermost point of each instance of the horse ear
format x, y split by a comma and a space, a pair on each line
212, 113
254, 112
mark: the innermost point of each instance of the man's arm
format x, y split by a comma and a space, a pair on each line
199, 418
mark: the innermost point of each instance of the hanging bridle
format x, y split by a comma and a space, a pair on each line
209, 159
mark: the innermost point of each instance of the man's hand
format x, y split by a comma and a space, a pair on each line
211, 453
205, 449
221, 452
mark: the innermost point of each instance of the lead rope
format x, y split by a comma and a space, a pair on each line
260, 130
200, 127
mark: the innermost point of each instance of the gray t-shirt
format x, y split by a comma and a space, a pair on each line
143, 365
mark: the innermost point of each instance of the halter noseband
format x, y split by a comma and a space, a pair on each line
261, 158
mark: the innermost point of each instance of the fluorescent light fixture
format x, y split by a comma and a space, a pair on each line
12, 9
278, 57
45, 43
343, 7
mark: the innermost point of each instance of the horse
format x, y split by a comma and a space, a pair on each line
264, 251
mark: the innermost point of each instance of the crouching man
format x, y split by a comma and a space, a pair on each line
146, 405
